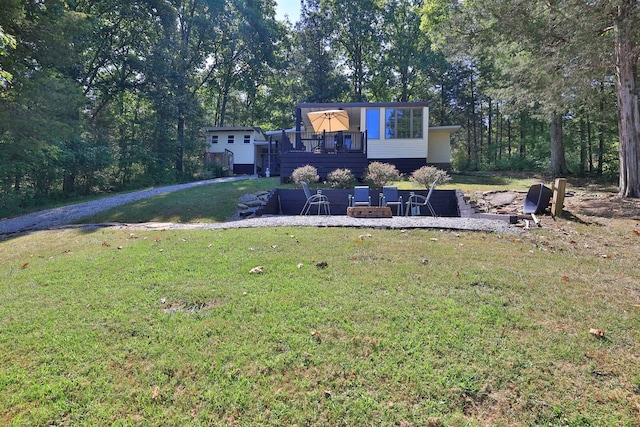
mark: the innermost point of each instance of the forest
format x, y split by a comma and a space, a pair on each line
112, 95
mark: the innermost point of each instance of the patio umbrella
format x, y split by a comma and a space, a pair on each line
329, 120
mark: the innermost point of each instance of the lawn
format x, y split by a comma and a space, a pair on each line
342, 326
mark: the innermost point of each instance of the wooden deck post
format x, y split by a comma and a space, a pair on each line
557, 202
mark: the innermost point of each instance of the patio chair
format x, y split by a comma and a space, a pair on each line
338, 142
318, 199
360, 196
390, 197
416, 201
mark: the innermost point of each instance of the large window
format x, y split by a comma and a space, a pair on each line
403, 123
373, 123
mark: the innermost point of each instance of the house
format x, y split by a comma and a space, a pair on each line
339, 135
388, 132
243, 150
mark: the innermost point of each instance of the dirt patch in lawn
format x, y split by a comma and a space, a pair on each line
578, 202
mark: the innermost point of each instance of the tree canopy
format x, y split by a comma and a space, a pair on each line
109, 95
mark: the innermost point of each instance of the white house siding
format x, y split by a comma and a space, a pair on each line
398, 148
242, 153
440, 144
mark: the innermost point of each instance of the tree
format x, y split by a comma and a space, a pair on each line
355, 35
561, 50
625, 15
7, 42
185, 26
314, 62
407, 49
41, 112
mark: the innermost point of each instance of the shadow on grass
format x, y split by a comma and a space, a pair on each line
486, 178
569, 216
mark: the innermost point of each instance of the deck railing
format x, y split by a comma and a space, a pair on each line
329, 142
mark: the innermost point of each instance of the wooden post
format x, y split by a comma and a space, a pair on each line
557, 202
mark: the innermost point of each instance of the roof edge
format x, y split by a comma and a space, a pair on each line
451, 128
233, 128
360, 104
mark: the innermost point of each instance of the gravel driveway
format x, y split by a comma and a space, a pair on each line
65, 215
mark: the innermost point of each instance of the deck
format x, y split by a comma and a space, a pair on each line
324, 162
326, 151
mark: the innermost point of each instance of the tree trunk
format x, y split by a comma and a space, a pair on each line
627, 95
490, 151
589, 145
69, 183
601, 135
583, 147
523, 122
558, 163
475, 126
600, 147
180, 148
509, 137
443, 102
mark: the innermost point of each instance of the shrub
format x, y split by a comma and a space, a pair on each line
341, 178
381, 174
425, 176
213, 171
308, 174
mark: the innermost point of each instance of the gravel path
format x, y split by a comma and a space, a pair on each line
65, 215
396, 222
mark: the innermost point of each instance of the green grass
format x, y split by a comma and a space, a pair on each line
211, 203
416, 327
483, 181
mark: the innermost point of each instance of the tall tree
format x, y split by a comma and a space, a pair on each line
42, 104
626, 14
314, 61
407, 48
355, 27
561, 48
518, 39
179, 66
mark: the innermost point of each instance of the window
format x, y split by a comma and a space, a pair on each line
403, 123
230, 139
373, 123
247, 139
214, 139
